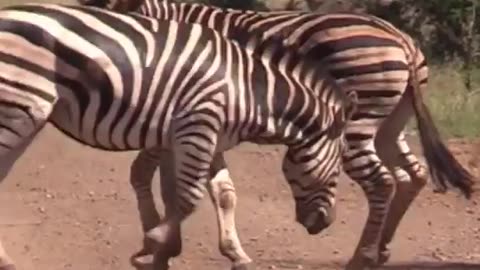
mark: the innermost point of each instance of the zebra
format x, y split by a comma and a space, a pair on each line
127, 82
364, 54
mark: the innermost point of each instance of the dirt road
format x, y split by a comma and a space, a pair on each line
66, 206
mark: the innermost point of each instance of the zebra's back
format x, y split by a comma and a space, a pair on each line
103, 68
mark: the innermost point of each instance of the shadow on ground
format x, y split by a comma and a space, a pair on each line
293, 264
431, 266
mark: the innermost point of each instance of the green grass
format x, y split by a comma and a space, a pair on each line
456, 113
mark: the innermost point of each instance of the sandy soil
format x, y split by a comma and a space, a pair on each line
66, 206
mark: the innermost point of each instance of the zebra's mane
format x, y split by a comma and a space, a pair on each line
254, 42
274, 46
95, 3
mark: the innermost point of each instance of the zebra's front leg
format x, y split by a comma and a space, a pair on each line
141, 176
364, 166
142, 171
411, 177
224, 199
18, 130
194, 147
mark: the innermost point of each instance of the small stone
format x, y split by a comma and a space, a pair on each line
437, 254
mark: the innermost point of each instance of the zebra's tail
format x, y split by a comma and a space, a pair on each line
443, 166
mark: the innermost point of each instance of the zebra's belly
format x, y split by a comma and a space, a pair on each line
110, 136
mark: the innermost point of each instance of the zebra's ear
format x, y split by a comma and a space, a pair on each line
343, 115
351, 104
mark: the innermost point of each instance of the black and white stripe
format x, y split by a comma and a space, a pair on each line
365, 54
119, 82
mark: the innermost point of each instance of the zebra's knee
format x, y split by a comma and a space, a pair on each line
383, 187
418, 175
386, 187
410, 181
227, 199
221, 186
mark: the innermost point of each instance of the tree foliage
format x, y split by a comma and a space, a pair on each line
446, 29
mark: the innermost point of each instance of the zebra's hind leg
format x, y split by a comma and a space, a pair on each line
224, 199
364, 166
15, 149
411, 177
164, 240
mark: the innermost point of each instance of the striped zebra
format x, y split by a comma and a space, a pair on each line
129, 82
364, 54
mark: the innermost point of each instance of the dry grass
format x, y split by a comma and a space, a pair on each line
456, 111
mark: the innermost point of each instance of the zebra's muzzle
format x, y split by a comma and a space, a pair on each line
315, 220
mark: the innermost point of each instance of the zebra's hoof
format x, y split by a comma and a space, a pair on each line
161, 264
8, 267
383, 257
244, 266
361, 263
141, 261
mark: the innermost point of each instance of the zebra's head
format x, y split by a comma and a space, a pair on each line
312, 169
313, 178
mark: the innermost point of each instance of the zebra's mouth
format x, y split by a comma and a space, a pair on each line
314, 221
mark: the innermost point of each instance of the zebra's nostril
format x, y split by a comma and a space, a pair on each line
316, 220
311, 219
318, 226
